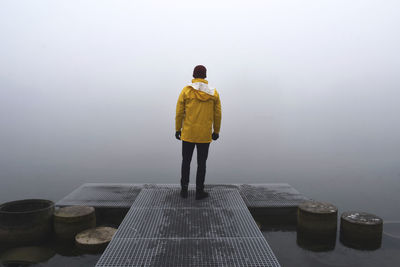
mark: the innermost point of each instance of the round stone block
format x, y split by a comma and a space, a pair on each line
317, 218
69, 221
25, 222
361, 230
95, 239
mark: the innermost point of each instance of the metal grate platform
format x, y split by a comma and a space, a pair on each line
103, 195
185, 252
219, 198
123, 195
156, 223
270, 195
161, 229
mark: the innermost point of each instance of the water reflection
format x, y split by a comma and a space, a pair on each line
315, 242
392, 229
285, 245
360, 244
56, 252
25, 256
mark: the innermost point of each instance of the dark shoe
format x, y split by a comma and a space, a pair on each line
201, 194
184, 193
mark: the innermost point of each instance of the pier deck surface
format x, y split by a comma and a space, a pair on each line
119, 195
162, 229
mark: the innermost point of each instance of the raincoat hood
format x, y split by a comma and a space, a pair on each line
202, 90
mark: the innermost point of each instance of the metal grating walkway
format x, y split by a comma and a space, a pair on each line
270, 195
161, 229
105, 195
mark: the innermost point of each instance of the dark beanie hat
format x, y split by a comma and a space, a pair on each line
200, 72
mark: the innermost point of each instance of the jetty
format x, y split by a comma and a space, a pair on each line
159, 228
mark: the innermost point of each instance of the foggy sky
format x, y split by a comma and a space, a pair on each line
88, 89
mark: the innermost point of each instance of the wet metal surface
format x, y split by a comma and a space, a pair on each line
270, 195
162, 229
102, 195
161, 214
220, 198
123, 195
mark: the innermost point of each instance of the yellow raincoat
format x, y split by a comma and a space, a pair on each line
198, 110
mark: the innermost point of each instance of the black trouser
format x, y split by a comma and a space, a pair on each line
202, 154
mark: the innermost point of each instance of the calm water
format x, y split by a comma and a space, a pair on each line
284, 244
288, 253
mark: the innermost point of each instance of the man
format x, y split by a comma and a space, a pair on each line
198, 111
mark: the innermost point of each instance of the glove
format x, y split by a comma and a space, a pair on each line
215, 136
178, 135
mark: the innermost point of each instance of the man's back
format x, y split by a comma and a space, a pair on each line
197, 112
